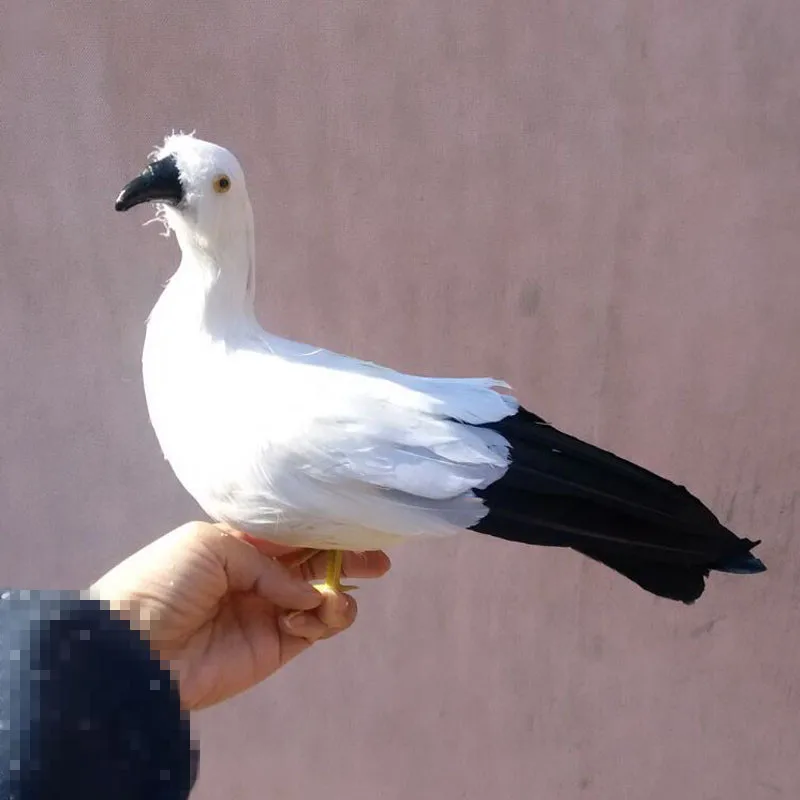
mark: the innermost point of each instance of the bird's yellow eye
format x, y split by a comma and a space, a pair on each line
221, 184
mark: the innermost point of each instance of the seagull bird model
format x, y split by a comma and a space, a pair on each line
306, 447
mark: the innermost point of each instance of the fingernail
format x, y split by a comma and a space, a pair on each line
290, 619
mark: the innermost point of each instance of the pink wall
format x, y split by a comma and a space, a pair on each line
602, 206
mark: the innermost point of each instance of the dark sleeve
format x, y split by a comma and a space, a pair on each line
86, 710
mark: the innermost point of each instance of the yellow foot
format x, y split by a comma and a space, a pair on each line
333, 576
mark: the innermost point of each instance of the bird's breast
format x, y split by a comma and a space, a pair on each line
183, 383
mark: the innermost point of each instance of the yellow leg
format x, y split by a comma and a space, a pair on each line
333, 575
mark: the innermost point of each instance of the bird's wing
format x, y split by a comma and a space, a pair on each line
366, 445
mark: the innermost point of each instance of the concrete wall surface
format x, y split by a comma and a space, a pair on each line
599, 202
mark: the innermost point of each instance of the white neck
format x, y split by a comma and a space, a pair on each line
214, 286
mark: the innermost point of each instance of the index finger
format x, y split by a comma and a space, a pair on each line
247, 570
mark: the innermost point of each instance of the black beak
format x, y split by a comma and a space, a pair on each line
159, 183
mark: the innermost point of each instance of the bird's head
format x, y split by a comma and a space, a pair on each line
199, 189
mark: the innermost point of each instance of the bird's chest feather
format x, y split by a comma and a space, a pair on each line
196, 408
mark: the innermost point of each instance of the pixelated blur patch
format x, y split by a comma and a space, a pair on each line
86, 710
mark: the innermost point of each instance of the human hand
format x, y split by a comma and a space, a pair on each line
226, 611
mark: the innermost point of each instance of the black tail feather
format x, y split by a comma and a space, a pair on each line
675, 582
742, 564
560, 491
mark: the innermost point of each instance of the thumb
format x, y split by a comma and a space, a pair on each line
300, 629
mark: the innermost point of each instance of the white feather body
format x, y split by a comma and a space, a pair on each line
298, 444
